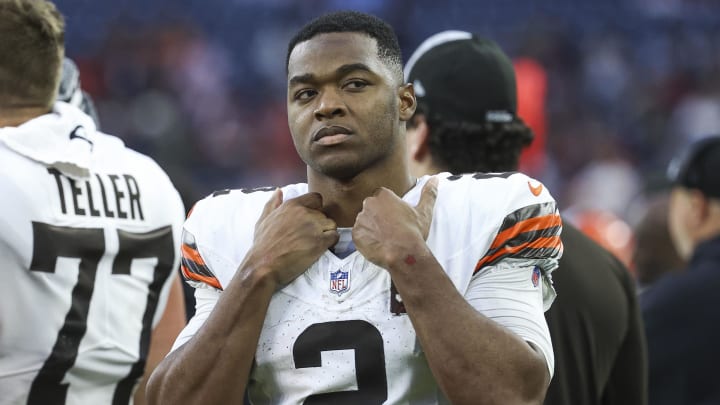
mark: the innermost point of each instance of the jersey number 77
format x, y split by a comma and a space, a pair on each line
88, 245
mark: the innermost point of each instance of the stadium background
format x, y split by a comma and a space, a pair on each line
200, 86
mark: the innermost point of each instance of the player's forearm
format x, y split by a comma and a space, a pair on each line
213, 367
474, 360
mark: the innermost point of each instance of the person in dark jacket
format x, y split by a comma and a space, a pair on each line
680, 309
466, 121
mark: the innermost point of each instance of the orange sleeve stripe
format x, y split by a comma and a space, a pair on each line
528, 225
211, 281
192, 254
552, 242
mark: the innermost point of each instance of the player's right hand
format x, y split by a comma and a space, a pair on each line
291, 235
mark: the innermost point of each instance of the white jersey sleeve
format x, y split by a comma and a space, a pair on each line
509, 227
216, 236
510, 294
205, 300
218, 233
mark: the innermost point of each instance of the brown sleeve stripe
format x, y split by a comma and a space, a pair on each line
525, 213
528, 250
547, 225
526, 237
211, 281
193, 265
530, 232
198, 272
196, 267
190, 252
529, 253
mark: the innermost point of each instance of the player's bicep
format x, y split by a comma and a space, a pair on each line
511, 294
205, 300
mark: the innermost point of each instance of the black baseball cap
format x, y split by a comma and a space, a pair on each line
698, 167
463, 77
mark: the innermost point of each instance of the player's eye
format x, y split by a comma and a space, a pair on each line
355, 84
304, 94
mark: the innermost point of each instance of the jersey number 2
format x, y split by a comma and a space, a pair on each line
88, 245
367, 343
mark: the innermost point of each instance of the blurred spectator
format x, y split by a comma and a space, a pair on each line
654, 254
608, 182
608, 230
680, 309
697, 114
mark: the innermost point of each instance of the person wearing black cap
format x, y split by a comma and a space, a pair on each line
680, 309
466, 121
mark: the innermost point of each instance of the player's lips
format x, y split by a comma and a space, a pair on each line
331, 135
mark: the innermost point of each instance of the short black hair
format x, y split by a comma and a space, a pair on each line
354, 21
467, 147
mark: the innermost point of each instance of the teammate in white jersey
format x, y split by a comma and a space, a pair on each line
365, 285
89, 247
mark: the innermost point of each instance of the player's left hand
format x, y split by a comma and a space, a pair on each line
388, 229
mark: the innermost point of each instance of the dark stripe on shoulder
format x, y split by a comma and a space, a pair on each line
531, 211
530, 254
193, 265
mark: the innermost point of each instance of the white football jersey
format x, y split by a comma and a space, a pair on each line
339, 334
87, 261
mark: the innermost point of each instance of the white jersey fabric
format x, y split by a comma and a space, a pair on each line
339, 332
88, 250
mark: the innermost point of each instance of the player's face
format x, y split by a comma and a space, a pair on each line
345, 107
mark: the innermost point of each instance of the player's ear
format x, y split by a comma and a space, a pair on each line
408, 103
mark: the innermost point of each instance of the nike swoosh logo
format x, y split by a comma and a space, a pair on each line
536, 190
77, 133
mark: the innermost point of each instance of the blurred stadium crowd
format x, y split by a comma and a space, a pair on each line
200, 86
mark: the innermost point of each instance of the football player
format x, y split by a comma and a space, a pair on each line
90, 299
364, 285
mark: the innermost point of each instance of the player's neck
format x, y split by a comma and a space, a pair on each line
14, 117
343, 199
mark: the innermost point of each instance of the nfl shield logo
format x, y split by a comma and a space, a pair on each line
536, 276
339, 281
